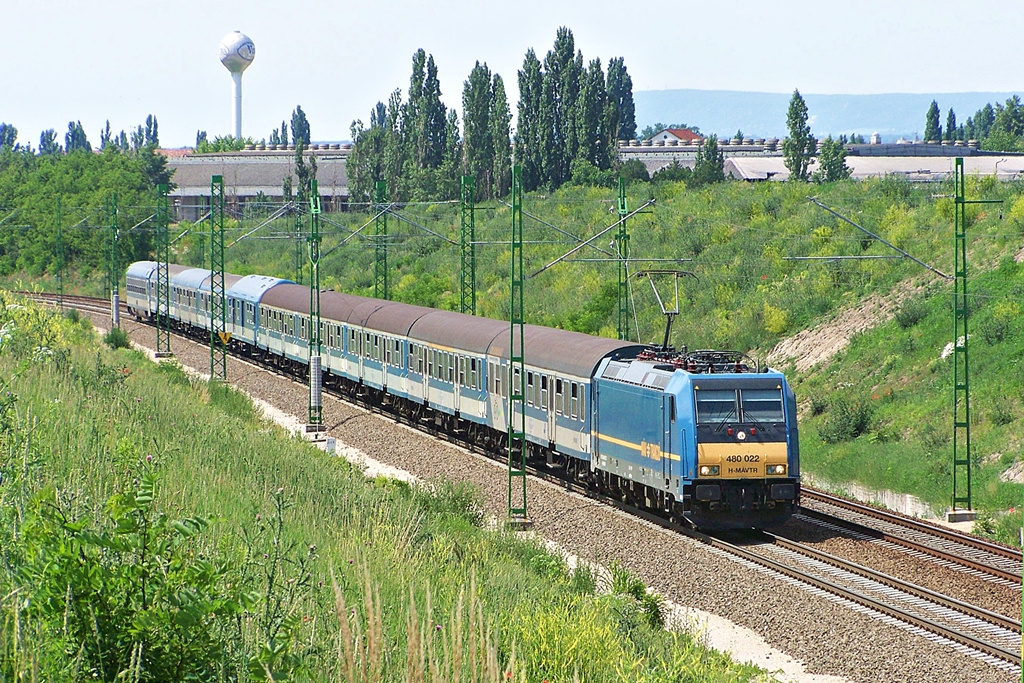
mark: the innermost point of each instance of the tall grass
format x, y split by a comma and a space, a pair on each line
155, 528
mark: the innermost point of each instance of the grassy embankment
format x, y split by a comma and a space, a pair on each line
156, 528
878, 414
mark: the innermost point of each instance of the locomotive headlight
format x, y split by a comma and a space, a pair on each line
776, 469
741, 435
709, 470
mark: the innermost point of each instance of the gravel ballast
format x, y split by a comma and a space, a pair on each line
829, 638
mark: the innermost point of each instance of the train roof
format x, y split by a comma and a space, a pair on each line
458, 330
147, 269
572, 353
141, 269
396, 318
252, 287
192, 278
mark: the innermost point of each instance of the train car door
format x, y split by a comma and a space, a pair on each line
668, 420
547, 392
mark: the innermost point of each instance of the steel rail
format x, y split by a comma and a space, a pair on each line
916, 526
977, 644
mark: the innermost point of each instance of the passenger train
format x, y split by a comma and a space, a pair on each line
700, 436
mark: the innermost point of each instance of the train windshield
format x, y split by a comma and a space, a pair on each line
762, 405
715, 406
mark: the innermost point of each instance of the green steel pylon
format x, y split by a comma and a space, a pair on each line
961, 366
380, 244
315, 413
468, 245
60, 256
163, 279
298, 241
622, 241
516, 412
219, 336
114, 278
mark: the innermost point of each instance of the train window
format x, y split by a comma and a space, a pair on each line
558, 396
575, 404
517, 383
762, 405
715, 406
430, 362
462, 371
451, 367
474, 375
544, 392
529, 388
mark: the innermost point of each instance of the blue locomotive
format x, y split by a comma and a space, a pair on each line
700, 436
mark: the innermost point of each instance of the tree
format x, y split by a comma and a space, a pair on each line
563, 66
709, 166
105, 138
75, 138
200, 138
799, 147
48, 144
592, 122
983, 121
477, 145
950, 125
300, 127
279, 136
151, 138
528, 140
8, 136
831, 162
932, 129
430, 121
620, 101
501, 121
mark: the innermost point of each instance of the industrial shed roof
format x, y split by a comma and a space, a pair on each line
251, 288
246, 175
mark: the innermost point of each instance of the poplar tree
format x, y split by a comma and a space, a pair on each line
529, 136
563, 67
300, 127
501, 121
932, 129
75, 138
432, 119
799, 147
620, 101
477, 146
950, 125
591, 118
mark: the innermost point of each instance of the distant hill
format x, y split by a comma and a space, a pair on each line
763, 114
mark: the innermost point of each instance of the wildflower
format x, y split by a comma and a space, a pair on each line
437, 627
350, 560
149, 458
265, 556
259, 517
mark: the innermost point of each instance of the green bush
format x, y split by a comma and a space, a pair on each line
911, 312
845, 420
116, 338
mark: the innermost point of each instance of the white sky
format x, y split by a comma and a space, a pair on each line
63, 60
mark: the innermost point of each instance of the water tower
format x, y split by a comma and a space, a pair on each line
236, 54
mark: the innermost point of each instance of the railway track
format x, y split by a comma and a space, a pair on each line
985, 559
991, 637
90, 304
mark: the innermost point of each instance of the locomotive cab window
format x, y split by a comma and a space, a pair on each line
715, 406
762, 405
